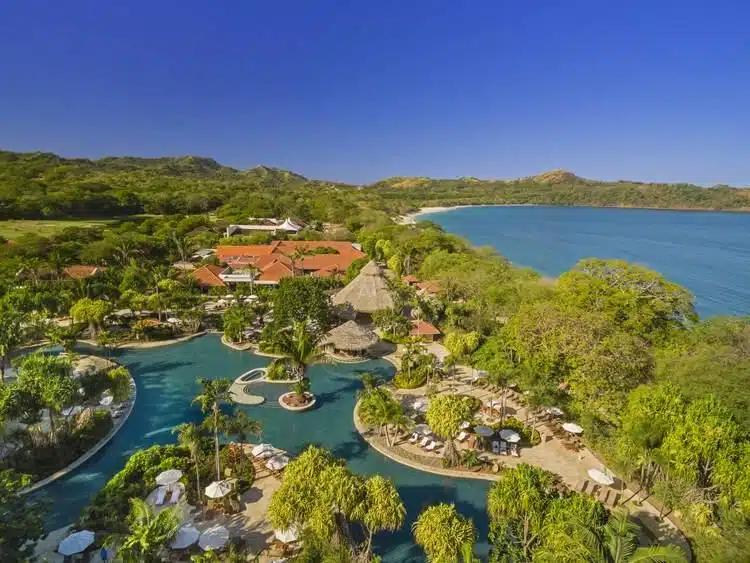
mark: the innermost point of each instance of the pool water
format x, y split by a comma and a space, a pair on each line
166, 382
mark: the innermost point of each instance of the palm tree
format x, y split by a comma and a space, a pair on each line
301, 347
190, 437
619, 544
215, 392
149, 533
442, 532
380, 409
300, 388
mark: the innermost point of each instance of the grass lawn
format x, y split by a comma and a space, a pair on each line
13, 228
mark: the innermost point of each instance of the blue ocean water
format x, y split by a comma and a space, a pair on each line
706, 252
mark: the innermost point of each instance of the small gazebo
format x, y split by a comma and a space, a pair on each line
366, 293
351, 338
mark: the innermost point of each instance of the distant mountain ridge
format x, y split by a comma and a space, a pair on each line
45, 185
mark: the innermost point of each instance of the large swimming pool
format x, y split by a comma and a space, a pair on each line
166, 381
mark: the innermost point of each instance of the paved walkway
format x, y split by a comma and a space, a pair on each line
572, 467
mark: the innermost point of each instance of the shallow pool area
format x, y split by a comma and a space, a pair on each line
166, 381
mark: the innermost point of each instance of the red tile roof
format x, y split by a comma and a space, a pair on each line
261, 256
208, 276
423, 328
80, 272
274, 272
432, 286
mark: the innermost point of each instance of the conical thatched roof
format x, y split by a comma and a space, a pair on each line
366, 293
351, 337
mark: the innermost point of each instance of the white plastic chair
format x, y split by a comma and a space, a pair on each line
424, 442
414, 438
432, 445
462, 436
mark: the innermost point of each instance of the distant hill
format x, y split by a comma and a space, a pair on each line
44, 186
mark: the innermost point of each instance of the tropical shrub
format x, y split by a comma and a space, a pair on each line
405, 380
151, 329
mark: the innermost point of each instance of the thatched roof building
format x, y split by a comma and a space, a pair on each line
351, 337
366, 293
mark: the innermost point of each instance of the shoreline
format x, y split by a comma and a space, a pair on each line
412, 218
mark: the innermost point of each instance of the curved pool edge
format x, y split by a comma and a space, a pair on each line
90, 453
363, 431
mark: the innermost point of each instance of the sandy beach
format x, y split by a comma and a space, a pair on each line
411, 218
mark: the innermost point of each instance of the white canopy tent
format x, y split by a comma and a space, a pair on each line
218, 489
263, 451
278, 462
572, 427
510, 435
423, 429
186, 536
214, 537
106, 401
76, 542
289, 535
168, 477
484, 431
601, 477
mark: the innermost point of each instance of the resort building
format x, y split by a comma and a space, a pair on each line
350, 339
366, 293
268, 264
424, 330
272, 226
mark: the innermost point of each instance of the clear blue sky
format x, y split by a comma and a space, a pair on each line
358, 90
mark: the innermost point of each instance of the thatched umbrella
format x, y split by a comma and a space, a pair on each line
351, 337
368, 292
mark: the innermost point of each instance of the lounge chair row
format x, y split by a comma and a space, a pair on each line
428, 444
605, 495
161, 494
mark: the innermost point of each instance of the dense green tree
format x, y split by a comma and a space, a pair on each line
637, 299
21, 518
378, 408
443, 532
190, 436
445, 415
90, 311
214, 393
149, 533
301, 346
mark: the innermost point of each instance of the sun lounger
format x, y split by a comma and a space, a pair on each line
602, 496
175, 495
462, 436
431, 446
424, 442
414, 438
161, 492
495, 447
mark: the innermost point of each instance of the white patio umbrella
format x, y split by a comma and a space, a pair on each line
423, 429
252, 297
106, 401
168, 477
485, 431
186, 536
263, 451
173, 320
554, 411
72, 411
214, 537
493, 403
601, 477
572, 427
218, 489
510, 435
277, 462
229, 296
465, 424
76, 542
286, 536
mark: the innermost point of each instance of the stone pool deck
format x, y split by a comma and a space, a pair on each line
572, 467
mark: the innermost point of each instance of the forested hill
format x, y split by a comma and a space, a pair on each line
46, 186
